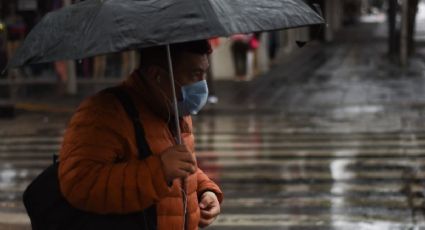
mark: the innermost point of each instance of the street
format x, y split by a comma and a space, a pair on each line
332, 137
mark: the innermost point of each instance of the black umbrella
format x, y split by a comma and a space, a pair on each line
94, 27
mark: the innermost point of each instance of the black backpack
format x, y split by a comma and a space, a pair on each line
48, 209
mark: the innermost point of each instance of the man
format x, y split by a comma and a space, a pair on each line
100, 171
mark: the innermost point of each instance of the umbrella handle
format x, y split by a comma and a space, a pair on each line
176, 111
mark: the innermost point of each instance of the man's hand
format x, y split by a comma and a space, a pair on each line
210, 208
178, 162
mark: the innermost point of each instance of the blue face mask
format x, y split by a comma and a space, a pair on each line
194, 98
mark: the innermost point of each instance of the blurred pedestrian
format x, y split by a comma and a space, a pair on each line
126, 63
274, 45
253, 56
16, 30
240, 48
99, 66
100, 170
212, 96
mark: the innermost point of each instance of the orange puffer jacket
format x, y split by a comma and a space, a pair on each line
100, 170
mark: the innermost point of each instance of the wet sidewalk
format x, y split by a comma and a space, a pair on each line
332, 138
347, 84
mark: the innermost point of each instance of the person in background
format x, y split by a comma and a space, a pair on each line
212, 97
274, 45
16, 30
99, 66
243, 48
240, 48
254, 44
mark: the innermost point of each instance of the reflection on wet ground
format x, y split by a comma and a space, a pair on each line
334, 142
275, 176
337, 143
273, 179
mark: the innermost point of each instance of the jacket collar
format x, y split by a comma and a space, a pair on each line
143, 94
144, 98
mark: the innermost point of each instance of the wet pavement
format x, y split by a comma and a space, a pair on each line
332, 138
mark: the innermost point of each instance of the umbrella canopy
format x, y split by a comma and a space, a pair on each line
94, 27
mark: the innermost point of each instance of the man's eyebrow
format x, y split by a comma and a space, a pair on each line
199, 70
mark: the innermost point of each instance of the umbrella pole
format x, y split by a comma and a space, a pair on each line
176, 111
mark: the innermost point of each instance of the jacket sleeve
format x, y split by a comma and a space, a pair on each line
96, 173
206, 184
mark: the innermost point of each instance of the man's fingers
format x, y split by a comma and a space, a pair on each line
184, 154
178, 162
206, 202
210, 209
188, 157
207, 214
181, 173
190, 168
215, 210
181, 149
205, 222
202, 223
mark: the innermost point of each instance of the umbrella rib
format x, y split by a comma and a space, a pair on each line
216, 18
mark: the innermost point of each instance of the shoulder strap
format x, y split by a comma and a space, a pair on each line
133, 113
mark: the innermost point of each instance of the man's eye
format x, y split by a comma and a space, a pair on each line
198, 75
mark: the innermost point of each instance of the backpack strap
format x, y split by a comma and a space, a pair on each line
126, 101
149, 214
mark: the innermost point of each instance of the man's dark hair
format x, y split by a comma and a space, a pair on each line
157, 55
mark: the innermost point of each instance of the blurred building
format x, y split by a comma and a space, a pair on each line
400, 16
99, 72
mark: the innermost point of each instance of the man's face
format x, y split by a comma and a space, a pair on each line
188, 69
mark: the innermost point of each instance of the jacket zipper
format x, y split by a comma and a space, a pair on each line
184, 204
182, 188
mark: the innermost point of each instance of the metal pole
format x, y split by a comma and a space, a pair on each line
392, 33
176, 110
71, 81
404, 31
